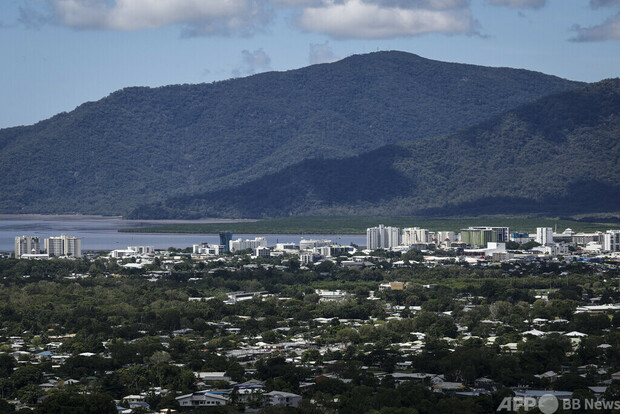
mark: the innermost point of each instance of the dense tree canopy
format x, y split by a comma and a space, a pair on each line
140, 145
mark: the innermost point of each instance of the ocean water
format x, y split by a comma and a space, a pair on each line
101, 233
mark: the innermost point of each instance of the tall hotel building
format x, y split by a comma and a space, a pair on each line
544, 235
63, 246
27, 245
382, 237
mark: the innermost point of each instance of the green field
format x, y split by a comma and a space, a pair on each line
359, 224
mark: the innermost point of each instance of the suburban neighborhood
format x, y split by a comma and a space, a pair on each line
446, 316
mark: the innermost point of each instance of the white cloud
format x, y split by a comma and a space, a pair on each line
387, 18
253, 62
321, 53
338, 18
520, 4
198, 16
609, 30
424, 4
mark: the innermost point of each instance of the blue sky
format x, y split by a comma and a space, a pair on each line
58, 54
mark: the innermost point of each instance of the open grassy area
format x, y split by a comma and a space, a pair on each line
359, 224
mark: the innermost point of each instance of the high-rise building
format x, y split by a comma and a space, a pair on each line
225, 238
415, 235
27, 245
393, 236
63, 245
503, 233
442, 236
373, 237
478, 237
610, 241
382, 237
544, 235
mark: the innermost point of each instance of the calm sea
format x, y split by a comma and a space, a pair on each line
101, 233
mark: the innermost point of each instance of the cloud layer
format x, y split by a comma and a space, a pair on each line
252, 62
197, 16
375, 19
321, 53
608, 30
337, 18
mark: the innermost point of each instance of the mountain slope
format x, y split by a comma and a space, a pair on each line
141, 145
559, 154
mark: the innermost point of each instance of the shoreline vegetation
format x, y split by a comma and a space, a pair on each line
359, 224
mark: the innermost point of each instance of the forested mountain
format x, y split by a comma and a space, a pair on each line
559, 154
141, 145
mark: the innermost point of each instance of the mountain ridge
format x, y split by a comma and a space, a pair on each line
141, 145
558, 155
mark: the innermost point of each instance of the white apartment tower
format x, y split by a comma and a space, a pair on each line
544, 235
27, 245
63, 245
443, 235
610, 241
393, 236
415, 235
382, 237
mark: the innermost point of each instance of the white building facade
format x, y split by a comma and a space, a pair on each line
27, 245
63, 245
544, 235
311, 244
208, 249
382, 237
610, 241
415, 235
240, 244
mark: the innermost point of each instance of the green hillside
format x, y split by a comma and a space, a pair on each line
141, 145
558, 155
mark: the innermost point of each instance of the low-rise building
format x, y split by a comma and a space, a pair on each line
207, 398
132, 251
284, 247
207, 249
240, 244
312, 243
286, 399
262, 252
392, 286
332, 295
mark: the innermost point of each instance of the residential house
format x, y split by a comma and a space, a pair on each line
286, 399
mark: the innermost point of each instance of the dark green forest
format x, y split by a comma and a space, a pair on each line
557, 155
141, 145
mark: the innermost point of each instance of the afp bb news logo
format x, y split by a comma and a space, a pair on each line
549, 404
